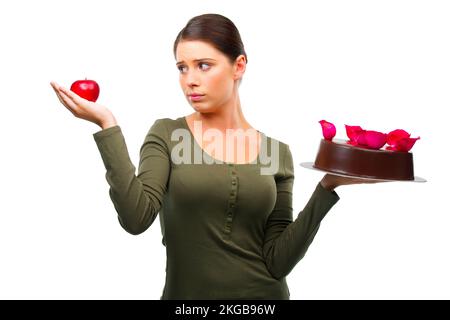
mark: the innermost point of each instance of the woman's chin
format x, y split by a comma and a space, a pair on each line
201, 108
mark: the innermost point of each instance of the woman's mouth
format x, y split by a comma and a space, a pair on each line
195, 97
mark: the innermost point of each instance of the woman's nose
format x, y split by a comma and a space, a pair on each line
192, 79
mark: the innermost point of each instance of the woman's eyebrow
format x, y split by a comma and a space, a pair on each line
179, 62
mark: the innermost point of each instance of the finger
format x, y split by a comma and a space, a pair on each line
66, 102
71, 95
58, 94
69, 102
55, 86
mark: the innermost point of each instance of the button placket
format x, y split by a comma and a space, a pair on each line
232, 198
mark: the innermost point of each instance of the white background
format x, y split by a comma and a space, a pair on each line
379, 64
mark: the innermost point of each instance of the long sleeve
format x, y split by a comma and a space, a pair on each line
137, 199
286, 241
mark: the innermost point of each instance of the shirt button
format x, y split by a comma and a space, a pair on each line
233, 182
232, 205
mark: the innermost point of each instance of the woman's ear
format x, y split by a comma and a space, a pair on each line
239, 67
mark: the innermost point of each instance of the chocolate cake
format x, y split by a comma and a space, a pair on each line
339, 157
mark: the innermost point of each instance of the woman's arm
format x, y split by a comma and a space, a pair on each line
286, 241
137, 199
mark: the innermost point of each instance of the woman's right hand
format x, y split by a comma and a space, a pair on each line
84, 109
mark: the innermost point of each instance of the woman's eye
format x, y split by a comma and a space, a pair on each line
181, 68
202, 63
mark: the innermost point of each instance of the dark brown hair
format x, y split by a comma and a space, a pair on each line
217, 30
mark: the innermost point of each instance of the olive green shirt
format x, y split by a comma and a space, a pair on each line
228, 230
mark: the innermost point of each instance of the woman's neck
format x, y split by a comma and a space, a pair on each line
229, 117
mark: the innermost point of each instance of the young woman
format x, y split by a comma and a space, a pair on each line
227, 224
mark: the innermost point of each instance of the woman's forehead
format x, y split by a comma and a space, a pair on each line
196, 49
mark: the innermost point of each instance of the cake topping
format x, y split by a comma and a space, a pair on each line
375, 139
355, 133
328, 129
397, 140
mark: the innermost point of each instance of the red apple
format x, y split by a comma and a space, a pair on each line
88, 89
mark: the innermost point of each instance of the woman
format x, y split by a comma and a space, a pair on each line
227, 227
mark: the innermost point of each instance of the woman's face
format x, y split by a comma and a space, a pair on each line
206, 71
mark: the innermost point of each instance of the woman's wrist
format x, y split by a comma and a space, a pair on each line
107, 125
327, 183
108, 122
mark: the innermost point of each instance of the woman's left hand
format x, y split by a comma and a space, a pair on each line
331, 181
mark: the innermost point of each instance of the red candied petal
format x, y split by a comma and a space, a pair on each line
328, 129
405, 144
375, 139
360, 138
352, 132
396, 135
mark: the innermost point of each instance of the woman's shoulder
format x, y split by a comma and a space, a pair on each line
276, 156
168, 122
165, 126
272, 142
